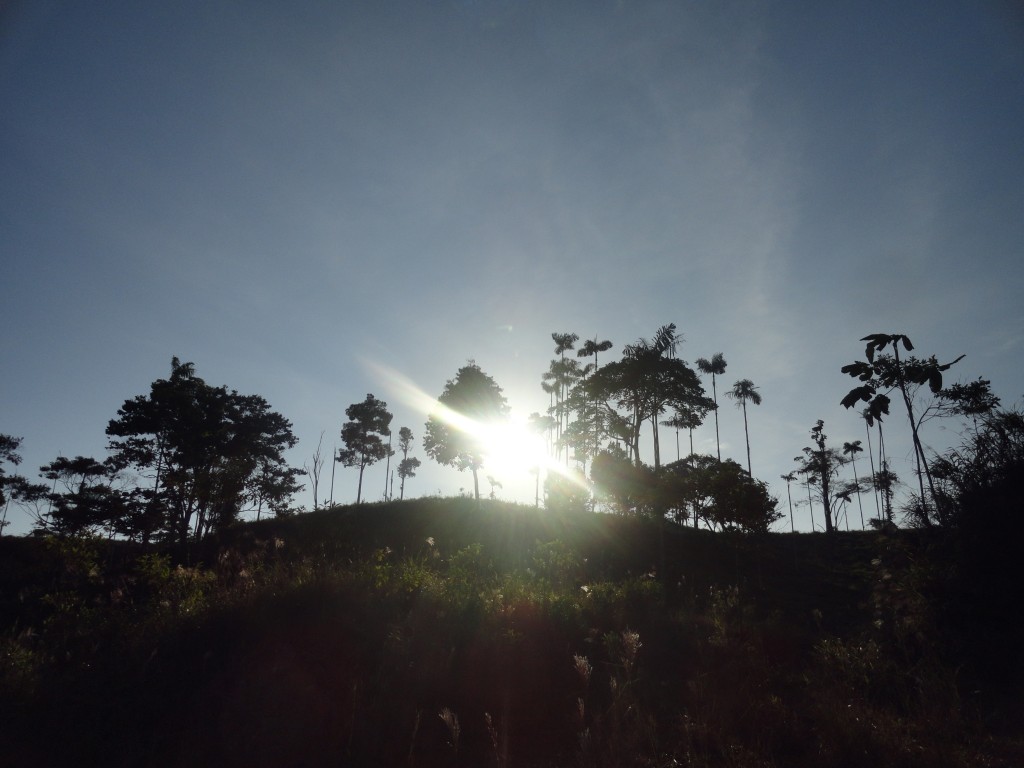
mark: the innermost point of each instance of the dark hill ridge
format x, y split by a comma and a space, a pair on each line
796, 574
341, 637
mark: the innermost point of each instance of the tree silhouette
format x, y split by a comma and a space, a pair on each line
688, 488
650, 366
363, 435
552, 425
688, 419
716, 367
562, 374
407, 466
204, 448
719, 491
789, 477
470, 401
591, 348
808, 481
888, 372
883, 481
314, 471
851, 450
274, 485
868, 419
974, 400
646, 382
8, 453
87, 502
742, 392
14, 488
625, 485
823, 464
981, 480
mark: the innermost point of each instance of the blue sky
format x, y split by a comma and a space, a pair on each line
291, 196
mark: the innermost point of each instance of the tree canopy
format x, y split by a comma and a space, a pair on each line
207, 451
369, 422
470, 403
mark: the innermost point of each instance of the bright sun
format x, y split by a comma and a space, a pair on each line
512, 449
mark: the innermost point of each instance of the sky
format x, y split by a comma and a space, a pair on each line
301, 198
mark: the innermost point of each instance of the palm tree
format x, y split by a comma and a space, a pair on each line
590, 348
888, 372
714, 366
550, 388
742, 391
808, 479
789, 478
647, 359
560, 374
851, 450
886, 477
689, 419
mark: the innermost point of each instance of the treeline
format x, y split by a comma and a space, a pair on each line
597, 414
190, 458
185, 460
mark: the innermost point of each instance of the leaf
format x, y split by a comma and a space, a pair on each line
879, 406
906, 343
947, 366
860, 369
856, 395
876, 342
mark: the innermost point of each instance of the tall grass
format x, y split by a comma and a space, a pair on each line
433, 635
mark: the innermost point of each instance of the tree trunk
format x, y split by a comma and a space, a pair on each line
919, 455
871, 459
747, 433
857, 481
657, 443
334, 465
789, 495
829, 527
810, 506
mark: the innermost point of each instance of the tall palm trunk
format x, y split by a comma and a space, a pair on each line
919, 456
871, 459
857, 481
714, 394
747, 433
789, 495
883, 461
810, 503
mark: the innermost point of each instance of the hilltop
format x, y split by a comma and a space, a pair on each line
440, 632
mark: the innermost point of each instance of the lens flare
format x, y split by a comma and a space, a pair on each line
513, 450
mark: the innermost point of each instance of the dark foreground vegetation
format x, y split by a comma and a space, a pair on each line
441, 633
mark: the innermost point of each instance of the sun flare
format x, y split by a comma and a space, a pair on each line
512, 449
514, 454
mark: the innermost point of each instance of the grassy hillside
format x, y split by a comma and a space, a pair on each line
436, 633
